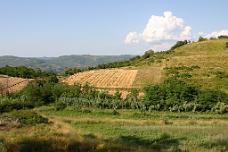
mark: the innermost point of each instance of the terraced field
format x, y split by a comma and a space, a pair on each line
12, 84
108, 78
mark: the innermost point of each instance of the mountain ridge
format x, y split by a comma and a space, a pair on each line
57, 64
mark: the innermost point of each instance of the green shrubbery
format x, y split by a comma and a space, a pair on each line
176, 95
179, 44
223, 37
201, 39
173, 95
24, 72
25, 117
180, 71
8, 104
71, 71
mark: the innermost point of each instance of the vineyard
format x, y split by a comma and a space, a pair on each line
12, 84
111, 78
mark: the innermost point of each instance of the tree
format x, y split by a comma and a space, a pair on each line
223, 37
148, 54
53, 79
179, 44
201, 39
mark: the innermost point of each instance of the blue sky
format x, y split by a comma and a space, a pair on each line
99, 27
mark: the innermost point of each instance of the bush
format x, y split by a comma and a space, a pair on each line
8, 104
26, 117
179, 44
201, 39
59, 105
39, 93
176, 95
23, 72
226, 44
115, 112
148, 54
71, 71
220, 108
207, 99
223, 37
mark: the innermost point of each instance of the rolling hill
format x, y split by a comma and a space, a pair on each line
57, 64
201, 63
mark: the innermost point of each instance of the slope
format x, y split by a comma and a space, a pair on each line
202, 63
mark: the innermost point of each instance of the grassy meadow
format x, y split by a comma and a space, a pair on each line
122, 130
210, 56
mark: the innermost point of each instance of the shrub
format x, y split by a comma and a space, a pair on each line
53, 79
223, 37
179, 44
71, 71
8, 104
201, 39
27, 117
226, 44
39, 93
220, 108
148, 54
176, 95
115, 112
59, 105
207, 99
24, 72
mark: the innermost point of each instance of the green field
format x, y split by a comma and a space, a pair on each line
124, 130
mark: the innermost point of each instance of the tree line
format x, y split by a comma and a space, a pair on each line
172, 95
24, 72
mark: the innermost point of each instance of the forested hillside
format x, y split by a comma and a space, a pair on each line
58, 64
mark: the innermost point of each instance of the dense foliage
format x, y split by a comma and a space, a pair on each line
201, 39
71, 71
180, 71
179, 44
23, 72
223, 37
172, 95
21, 118
177, 95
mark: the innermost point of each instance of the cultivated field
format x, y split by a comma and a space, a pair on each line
108, 78
12, 84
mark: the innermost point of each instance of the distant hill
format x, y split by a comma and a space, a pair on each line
57, 64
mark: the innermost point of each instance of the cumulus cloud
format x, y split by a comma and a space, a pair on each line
217, 34
166, 28
133, 37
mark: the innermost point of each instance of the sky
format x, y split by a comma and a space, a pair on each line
37, 28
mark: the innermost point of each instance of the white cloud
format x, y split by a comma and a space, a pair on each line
166, 28
216, 34
132, 37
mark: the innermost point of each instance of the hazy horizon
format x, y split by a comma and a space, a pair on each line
70, 55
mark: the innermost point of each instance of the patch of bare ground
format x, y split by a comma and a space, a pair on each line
12, 84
